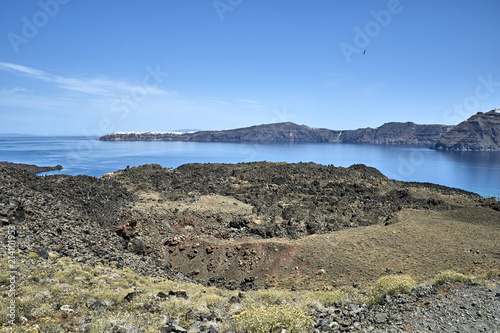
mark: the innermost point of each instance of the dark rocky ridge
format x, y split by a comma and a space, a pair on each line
31, 167
306, 198
389, 133
73, 216
201, 217
479, 132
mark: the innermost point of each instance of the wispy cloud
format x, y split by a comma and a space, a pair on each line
22, 69
26, 99
97, 85
216, 102
14, 90
250, 103
82, 101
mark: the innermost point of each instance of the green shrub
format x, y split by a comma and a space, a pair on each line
210, 300
450, 276
271, 296
272, 319
391, 285
33, 255
327, 297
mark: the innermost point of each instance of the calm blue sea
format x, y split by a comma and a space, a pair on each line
477, 172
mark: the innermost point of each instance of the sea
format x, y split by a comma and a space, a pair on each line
477, 172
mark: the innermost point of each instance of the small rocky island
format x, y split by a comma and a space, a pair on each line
479, 132
31, 167
390, 133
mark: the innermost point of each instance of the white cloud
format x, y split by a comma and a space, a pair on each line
14, 90
250, 103
98, 85
22, 69
81, 103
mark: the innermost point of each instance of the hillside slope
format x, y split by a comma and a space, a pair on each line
225, 224
304, 227
396, 133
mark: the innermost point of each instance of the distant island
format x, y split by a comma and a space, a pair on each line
287, 132
479, 132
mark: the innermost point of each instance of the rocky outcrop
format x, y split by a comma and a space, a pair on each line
73, 216
479, 132
469, 307
390, 133
31, 167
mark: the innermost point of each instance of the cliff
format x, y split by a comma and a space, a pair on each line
397, 133
389, 133
479, 132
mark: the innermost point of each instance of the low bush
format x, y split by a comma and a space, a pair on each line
450, 276
272, 319
33, 255
391, 285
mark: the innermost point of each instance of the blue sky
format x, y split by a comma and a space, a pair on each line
74, 67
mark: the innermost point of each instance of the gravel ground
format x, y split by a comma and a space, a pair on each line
451, 307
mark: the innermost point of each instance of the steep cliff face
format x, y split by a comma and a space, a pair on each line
268, 133
479, 132
390, 133
397, 133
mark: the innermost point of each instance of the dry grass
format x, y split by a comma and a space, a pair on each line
45, 283
422, 244
272, 319
75, 287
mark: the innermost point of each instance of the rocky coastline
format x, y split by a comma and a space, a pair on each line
408, 133
481, 132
